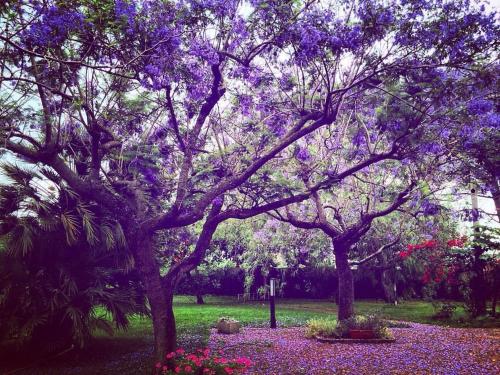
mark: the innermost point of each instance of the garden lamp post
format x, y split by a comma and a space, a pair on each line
273, 279
272, 307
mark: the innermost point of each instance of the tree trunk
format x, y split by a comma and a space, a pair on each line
171, 328
160, 299
495, 193
479, 287
199, 299
346, 283
388, 286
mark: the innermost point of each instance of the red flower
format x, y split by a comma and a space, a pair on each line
244, 361
457, 242
228, 370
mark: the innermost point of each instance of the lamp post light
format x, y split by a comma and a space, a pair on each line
273, 280
272, 306
398, 268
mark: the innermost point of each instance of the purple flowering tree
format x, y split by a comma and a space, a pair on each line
165, 112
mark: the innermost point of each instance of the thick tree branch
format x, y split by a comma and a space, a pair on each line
373, 255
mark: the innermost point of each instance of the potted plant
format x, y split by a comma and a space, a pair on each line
228, 325
363, 327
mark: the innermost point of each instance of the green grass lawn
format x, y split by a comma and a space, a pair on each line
129, 352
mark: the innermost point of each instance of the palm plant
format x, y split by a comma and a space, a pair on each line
64, 265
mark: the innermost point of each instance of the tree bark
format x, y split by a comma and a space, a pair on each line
495, 193
160, 298
171, 328
346, 283
199, 299
388, 286
479, 287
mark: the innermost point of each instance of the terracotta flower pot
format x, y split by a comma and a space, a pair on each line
361, 334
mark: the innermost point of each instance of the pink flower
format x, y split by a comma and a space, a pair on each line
164, 368
170, 355
180, 351
188, 369
158, 365
228, 370
244, 361
177, 370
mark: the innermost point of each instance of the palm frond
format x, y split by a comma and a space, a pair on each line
18, 174
100, 323
51, 175
20, 238
70, 224
88, 223
9, 199
107, 235
120, 236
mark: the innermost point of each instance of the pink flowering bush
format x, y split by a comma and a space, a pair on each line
201, 362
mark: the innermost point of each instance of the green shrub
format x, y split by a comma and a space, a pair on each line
396, 324
443, 310
371, 322
321, 327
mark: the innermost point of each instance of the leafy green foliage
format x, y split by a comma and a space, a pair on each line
364, 322
57, 265
326, 327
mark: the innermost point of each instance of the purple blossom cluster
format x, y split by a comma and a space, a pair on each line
245, 104
303, 154
479, 106
460, 32
54, 27
126, 11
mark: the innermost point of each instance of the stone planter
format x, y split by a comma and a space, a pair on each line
228, 327
354, 341
363, 334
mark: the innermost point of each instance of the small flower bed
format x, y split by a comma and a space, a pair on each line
201, 362
331, 329
321, 327
364, 322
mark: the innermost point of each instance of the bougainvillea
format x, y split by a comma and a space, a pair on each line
201, 362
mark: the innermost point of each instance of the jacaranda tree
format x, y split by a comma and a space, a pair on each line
160, 112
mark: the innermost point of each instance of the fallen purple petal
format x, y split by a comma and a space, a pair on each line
421, 349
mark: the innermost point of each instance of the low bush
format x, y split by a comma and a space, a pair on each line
395, 324
321, 327
443, 310
330, 328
